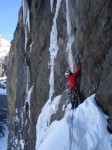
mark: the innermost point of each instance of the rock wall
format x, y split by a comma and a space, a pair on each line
94, 41
3, 114
91, 26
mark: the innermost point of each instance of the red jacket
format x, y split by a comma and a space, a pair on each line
72, 79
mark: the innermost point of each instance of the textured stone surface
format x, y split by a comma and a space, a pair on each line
91, 27
3, 114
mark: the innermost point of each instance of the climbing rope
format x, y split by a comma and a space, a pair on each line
71, 132
72, 116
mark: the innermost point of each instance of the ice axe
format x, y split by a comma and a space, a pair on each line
77, 60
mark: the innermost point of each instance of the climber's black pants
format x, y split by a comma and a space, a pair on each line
73, 96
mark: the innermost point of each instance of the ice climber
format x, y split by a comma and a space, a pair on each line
73, 85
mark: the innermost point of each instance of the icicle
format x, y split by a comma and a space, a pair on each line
70, 38
24, 11
26, 39
26, 20
52, 2
27, 79
31, 46
29, 97
21, 116
26, 14
69, 50
53, 49
28, 90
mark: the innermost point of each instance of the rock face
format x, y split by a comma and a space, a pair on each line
3, 114
3, 107
91, 26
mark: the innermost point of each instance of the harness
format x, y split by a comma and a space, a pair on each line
74, 97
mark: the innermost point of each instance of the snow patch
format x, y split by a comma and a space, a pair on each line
21, 142
29, 97
2, 91
3, 85
4, 47
44, 119
4, 139
89, 128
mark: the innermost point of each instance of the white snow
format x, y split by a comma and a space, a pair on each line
53, 49
29, 97
29, 90
4, 51
4, 47
4, 140
88, 127
2, 91
70, 37
29, 94
44, 119
3, 85
22, 144
21, 114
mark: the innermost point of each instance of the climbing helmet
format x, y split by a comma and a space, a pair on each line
68, 72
